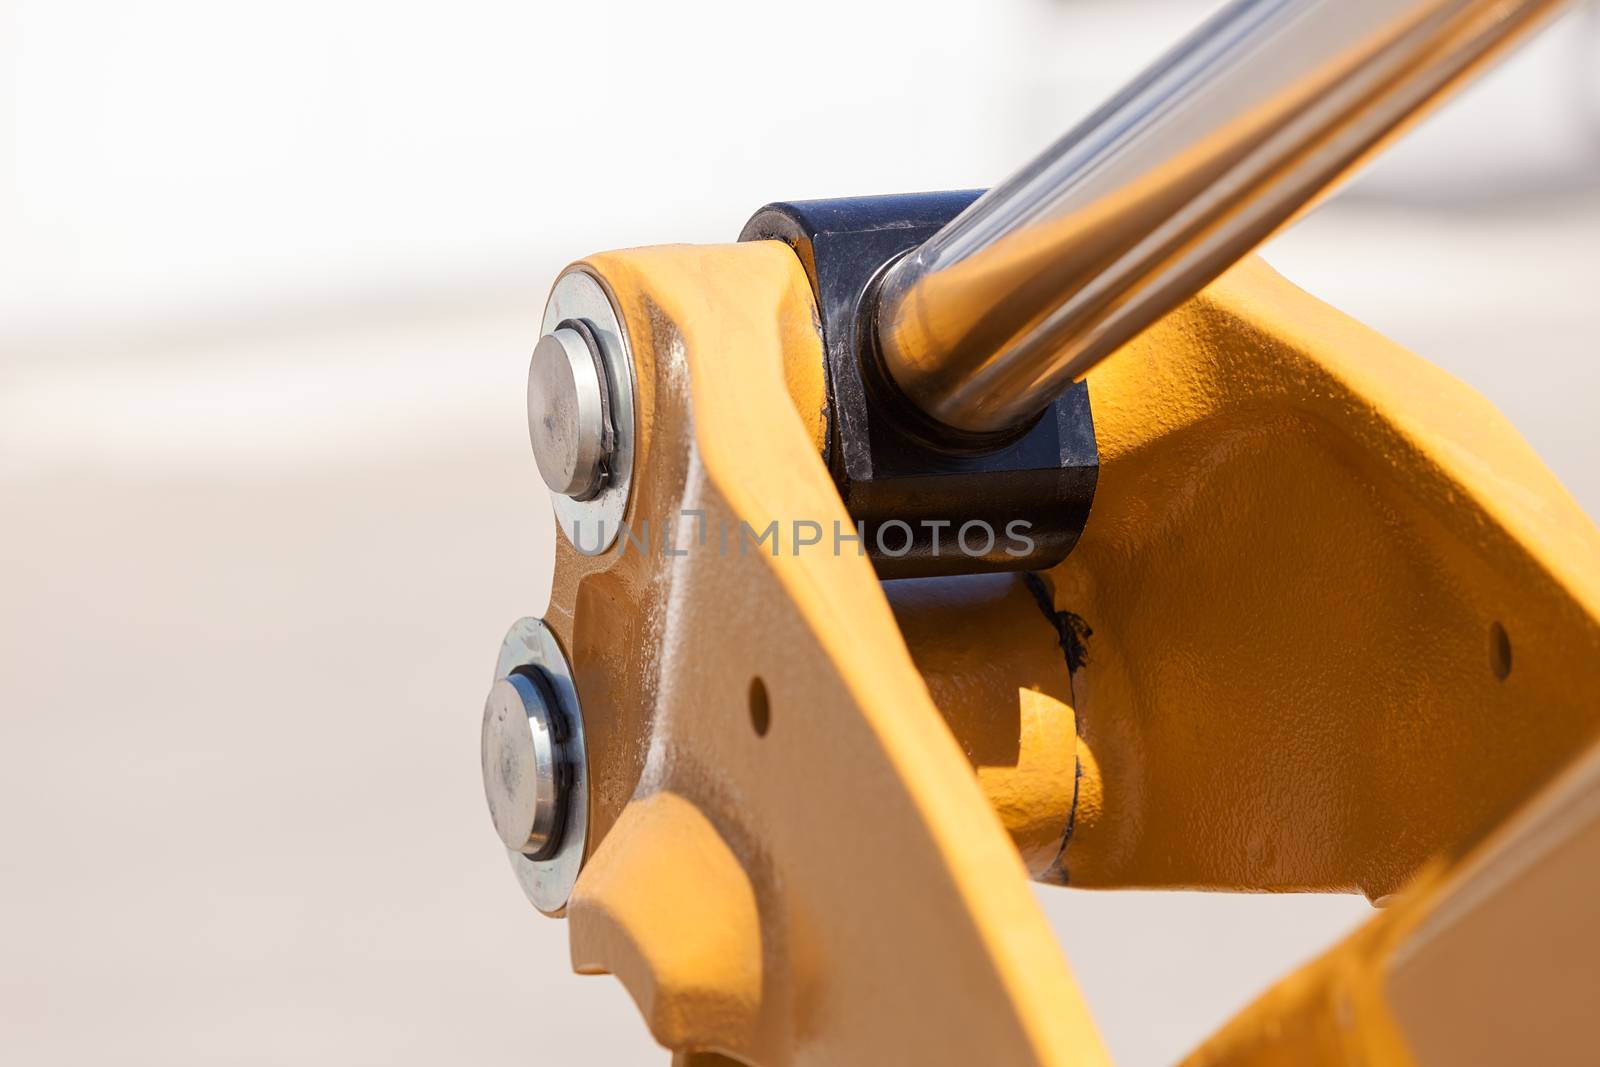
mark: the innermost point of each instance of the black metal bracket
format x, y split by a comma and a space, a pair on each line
928, 507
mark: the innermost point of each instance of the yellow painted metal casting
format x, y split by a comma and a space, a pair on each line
882, 882
1344, 619
1336, 623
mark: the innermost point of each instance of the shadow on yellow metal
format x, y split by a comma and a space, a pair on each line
1343, 623
1344, 619
1484, 963
998, 675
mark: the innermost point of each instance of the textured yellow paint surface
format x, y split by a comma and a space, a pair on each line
1482, 962
665, 905
1303, 553
997, 674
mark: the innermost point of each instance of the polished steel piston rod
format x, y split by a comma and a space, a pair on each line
1169, 183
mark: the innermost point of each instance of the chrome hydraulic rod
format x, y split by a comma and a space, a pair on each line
1164, 187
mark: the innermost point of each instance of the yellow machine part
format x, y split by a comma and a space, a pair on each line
1330, 620
1486, 962
1336, 619
794, 860
1343, 618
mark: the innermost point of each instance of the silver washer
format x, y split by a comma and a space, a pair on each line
591, 526
548, 881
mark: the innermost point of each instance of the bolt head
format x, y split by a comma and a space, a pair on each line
567, 413
521, 765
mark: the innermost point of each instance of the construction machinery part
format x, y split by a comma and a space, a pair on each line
1317, 558
922, 503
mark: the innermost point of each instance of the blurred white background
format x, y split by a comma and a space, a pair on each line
266, 502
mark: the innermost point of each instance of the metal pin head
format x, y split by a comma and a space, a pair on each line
569, 413
522, 765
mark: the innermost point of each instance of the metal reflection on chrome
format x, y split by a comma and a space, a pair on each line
1178, 176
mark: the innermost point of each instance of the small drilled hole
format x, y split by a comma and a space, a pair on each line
760, 707
1499, 651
